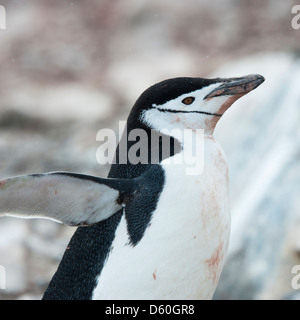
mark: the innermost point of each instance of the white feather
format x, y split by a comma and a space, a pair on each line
61, 198
182, 252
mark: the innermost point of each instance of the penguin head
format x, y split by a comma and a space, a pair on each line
191, 103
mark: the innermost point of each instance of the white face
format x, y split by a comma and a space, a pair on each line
183, 112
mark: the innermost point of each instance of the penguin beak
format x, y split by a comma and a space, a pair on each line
236, 86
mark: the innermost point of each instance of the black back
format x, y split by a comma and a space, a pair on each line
89, 247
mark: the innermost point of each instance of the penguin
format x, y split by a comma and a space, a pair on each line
152, 229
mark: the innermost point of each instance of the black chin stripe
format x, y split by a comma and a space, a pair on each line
184, 111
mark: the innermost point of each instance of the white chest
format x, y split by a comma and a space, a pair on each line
182, 252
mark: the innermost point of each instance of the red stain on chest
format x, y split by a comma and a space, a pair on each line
154, 274
213, 262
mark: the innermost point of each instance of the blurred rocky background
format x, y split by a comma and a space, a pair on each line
71, 68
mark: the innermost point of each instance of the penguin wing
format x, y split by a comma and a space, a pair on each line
70, 198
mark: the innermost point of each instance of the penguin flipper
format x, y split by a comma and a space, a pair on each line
70, 198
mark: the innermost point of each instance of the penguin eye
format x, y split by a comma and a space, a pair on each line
188, 100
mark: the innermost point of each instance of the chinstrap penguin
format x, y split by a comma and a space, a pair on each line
148, 230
